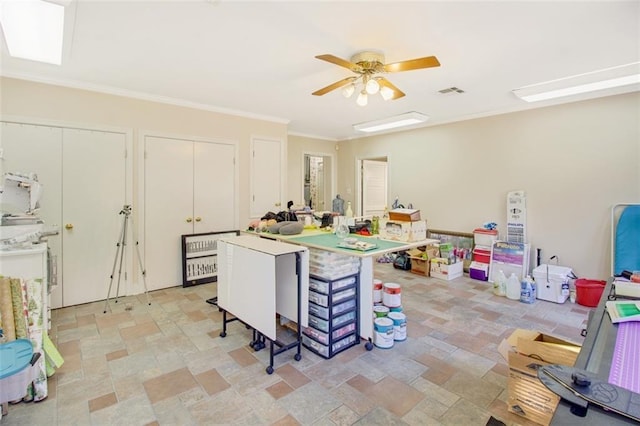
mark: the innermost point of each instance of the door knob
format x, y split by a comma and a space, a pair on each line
68, 226
189, 220
198, 218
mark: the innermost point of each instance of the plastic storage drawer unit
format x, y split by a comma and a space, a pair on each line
333, 315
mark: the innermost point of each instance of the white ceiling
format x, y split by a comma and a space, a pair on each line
257, 58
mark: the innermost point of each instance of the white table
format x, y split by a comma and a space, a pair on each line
258, 278
326, 241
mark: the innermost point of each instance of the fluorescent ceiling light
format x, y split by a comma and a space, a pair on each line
401, 120
624, 75
33, 29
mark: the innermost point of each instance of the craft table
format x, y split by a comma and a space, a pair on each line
328, 241
259, 278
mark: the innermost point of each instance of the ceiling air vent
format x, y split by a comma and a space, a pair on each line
451, 90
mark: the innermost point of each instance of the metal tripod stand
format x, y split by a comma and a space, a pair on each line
118, 260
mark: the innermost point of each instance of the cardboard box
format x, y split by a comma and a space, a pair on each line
439, 268
420, 266
527, 396
404, 215
420, 257
404, 231
525, 351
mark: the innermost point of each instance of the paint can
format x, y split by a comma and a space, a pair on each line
380, 311
377, 291
399, 325
395, 309
391, 295
383, 333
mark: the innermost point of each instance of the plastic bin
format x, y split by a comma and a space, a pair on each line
485, 237
589, 292
16, 371
482, 254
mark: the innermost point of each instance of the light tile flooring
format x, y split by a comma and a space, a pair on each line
166, 364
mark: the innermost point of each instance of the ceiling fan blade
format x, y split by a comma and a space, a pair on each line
413, 64
339, 61
397, 93
334, 86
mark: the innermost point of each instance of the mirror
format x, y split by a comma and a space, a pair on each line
317, 182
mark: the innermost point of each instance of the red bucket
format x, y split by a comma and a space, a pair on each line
589, 292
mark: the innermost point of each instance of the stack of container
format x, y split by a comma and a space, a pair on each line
333, 303
389, 322
483, 239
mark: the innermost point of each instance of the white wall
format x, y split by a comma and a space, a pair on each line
573, 161
35, 101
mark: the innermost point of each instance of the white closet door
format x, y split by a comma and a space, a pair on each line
214, 203
266, 177
94, 192
168, 204
37, 149
374, 187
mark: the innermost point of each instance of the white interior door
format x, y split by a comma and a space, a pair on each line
94, 176
374, 187
37, 149
168, 207
214, 203
267, 176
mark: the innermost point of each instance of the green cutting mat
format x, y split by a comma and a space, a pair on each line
330, 240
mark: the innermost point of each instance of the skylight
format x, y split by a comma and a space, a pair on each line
33, 29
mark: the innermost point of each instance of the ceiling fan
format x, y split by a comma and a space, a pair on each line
369, 66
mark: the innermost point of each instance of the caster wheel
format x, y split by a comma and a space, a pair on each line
297, 357
368, 346
269, 370
223, 334
251, 344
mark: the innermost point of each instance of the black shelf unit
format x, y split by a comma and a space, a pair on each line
334, 323
200, 257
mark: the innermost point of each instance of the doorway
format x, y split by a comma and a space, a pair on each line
318, 185
372, 181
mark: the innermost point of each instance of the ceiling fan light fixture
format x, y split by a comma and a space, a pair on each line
348, 90
362, 98
386, 93
402, 120
372, 86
